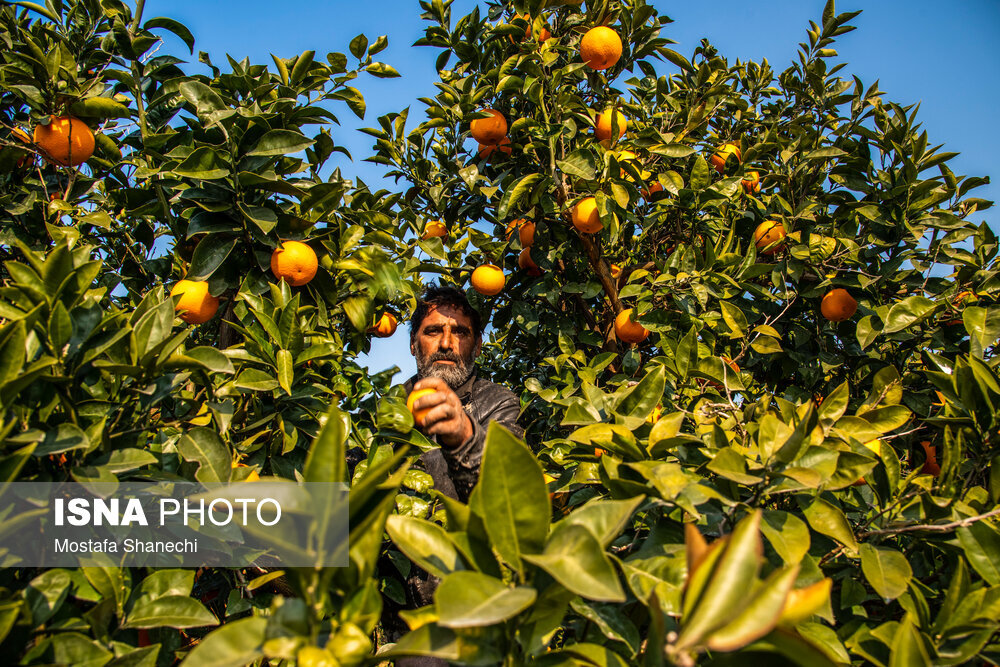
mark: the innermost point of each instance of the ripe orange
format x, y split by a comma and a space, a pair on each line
295, 263
931, 466
627, 329
65, 140
838, 305
514, 225
252, 477
543, 35
729, 362
489, 130
768, 237
488, 279
196, 305
418, 415
603, 129
526, 263
433, 229
751, 183
489, 151
526, 234
651, 193
624, 156
616, 271
585, 216
654, 416
386, 326
719, 159
601, 47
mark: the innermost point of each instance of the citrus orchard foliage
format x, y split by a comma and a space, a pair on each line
725, 461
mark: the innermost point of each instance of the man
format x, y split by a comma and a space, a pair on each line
445, 339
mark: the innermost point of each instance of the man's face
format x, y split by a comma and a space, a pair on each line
445, 346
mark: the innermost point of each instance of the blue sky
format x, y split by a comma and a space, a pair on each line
940, 55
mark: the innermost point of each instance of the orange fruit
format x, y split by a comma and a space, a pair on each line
490, 131
603, 126
654, 416
931, 466
489, 151
543, 35
654, 189
514, 225
526, 234
386, 326
768, 237
729, 362
624, 156
196, 305
295, 263
586, 219
838, 305
252, 477
488, 279
598, 452
600, 48
418, 415
719, 159
751, 183
525, 262
616, 271
65, 140
433, 229
627, 329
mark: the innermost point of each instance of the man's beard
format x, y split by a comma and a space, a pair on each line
454, 375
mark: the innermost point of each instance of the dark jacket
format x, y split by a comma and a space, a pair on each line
455, 471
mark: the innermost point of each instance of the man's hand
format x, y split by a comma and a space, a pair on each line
446, 417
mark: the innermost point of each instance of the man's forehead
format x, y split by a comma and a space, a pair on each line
447, 314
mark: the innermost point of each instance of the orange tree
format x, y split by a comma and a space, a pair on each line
801, 457
727, 474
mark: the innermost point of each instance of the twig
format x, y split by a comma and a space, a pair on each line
936, 527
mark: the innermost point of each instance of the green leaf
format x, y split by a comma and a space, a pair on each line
45, 594
204, 447
576, 560
471, 599
72, 648
983, 325
886, 570
735, 320
382, 71
358, 46
828, 520
787, 533
175, 611
286, 372
100, 108
760, 614
516, 192
326, 459
908, 648
235, 644
204, 164
208, 257
173, 26
981, 543
834, 406
301, 67
515, 502
731, 578
581, 163
425, 543
907, 312
605, 519
700, 177
210, 359
672, 150
204, 99
640, 401
281, 142
255, 379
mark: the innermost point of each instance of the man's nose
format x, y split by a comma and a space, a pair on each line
448, 339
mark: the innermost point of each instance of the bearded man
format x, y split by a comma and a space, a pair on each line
445, 339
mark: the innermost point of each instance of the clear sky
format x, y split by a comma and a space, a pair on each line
941, 55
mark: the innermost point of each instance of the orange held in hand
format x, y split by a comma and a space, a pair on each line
838, 305
628, 330
768, 237
586, 219
65, 140
603, 126
488, 279
196, 305
719, 159
295, 263
386, 326
418, 415
600, 48
490, 130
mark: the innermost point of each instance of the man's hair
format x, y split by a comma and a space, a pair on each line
444, 295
